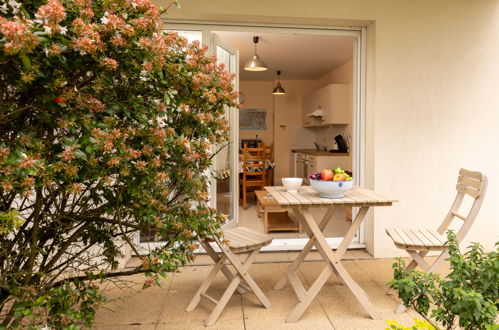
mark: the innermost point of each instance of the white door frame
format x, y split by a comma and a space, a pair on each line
358, 97
215, 40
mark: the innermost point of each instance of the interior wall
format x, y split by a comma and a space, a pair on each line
286, 132
287, 116
258, 95
341, 75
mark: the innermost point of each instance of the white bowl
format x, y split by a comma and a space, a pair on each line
292, 184
331, 189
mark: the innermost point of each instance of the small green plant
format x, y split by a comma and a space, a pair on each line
468, 296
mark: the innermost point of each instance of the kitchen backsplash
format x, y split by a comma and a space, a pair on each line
304, 138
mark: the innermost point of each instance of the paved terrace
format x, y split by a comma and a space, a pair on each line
334, 308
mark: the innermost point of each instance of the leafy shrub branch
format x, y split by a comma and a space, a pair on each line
107, 126
467, 296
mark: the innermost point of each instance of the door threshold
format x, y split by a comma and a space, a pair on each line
297, 244
277, 244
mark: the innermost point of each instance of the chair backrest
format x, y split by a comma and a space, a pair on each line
253, 162
267, 150
473, 184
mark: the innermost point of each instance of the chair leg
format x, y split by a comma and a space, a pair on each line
242, 271
225, 270
206, 284
236, 280
215, 313
241, 275
400, 309
418, 259
244, 198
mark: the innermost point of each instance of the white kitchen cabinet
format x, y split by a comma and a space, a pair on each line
336, 100
332, 101
298, 165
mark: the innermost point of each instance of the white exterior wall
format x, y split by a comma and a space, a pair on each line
432, 98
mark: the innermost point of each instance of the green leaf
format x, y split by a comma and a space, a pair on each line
80, 155
25, 60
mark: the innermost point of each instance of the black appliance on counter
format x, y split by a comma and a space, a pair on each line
252, 143
341, 143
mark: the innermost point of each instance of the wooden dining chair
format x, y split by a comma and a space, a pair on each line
254, 171
239, 240
269, 156
419, 242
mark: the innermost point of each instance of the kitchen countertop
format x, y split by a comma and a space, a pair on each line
314, 152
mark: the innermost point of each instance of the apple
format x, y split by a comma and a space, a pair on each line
327, 174
339, 177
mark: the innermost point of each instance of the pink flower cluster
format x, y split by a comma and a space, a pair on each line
18, 35
140, 4
113, 22
53, 12
109, 63
89, 40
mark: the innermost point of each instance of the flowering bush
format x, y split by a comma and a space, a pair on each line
106, 127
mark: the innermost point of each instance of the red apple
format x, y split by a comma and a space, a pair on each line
327, 174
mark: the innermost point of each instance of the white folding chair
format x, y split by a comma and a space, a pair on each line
238, 241
418, 242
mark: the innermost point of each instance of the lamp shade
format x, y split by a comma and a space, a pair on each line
278, 90
255, 64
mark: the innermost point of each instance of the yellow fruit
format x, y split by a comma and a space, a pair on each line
339, 177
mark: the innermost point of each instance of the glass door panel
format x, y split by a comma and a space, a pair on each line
148, 234
226, 175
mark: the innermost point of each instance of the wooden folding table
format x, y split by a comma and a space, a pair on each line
301, 202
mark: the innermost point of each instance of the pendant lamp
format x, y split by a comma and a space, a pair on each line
278, 90
255, 64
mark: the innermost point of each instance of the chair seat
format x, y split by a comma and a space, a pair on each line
244, 239
417, 239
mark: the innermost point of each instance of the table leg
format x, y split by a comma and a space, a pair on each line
266, 220
309, 295
258, 208
350, 234
334, 264
306, 249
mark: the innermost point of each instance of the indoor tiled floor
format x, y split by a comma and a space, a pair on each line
334, 308
335, 228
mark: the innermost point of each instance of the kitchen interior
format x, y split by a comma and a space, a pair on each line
308, 118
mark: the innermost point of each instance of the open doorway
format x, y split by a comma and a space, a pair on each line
317, 75
316, 64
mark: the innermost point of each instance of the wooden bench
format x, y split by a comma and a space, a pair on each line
275, 217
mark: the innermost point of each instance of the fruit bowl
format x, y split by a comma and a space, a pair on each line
331, 189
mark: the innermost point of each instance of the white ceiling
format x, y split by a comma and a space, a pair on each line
298, 56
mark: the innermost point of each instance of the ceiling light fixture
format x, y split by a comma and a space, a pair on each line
278, 90
255, 64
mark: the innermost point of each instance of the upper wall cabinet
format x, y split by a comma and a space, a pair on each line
327, 106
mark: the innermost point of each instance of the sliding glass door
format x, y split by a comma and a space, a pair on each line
225, 182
